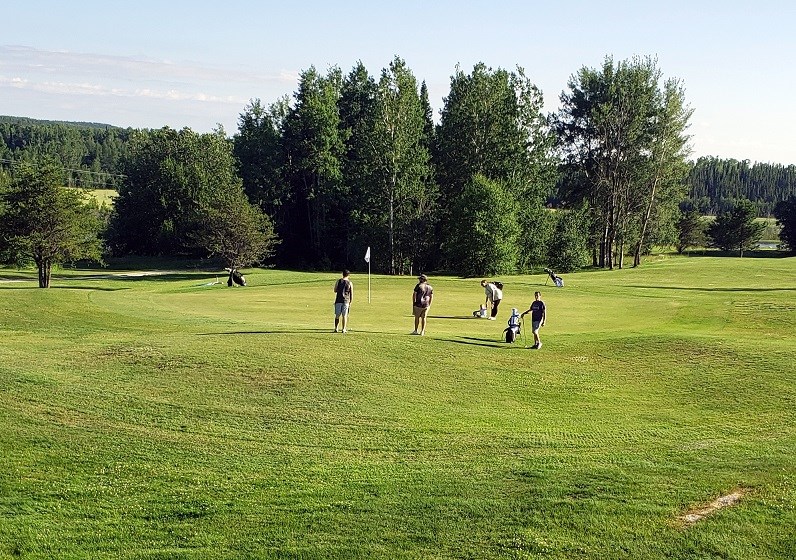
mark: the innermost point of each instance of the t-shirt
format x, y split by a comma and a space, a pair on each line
537, 310
493, 292
343, 287
422, 295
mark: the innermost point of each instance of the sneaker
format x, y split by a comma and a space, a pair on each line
344, 331
335, 330
539, 346
535, 347
413, 332
491, 318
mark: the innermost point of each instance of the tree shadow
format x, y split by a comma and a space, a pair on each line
753, 254
457, 317
703, 289
293, 331
59, 287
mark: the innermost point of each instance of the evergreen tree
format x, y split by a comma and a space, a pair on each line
785, 212
736, 229
691, 231
313, 152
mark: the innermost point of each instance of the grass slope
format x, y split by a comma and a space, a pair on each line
161, 417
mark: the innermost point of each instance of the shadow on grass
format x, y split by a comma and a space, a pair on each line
453, 317
472, 341
294, 331
754, 254
701, 289
92, 288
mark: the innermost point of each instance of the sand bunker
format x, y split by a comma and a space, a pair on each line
696, 514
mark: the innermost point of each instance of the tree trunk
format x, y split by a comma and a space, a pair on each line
391, 234
45, 271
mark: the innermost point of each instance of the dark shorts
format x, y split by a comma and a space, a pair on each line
420, 311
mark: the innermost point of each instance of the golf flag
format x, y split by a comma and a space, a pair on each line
367, 260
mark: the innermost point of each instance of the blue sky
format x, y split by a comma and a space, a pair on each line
197, 63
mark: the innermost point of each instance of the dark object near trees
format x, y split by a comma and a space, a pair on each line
235, 277
498, 284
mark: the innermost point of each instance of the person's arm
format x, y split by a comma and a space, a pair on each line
335, 285
351, 291
544, 315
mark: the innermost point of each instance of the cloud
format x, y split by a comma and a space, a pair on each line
23, 60
134, 90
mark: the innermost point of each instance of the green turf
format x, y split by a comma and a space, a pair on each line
161, 417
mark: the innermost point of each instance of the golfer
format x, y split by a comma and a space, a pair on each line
538, 313
344, 289
494, 295
421, 303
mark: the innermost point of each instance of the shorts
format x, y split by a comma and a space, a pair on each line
535, 325
341, 309
421, 312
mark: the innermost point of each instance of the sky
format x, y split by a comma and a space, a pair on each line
197, 64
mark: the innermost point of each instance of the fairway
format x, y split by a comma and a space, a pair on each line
167, 416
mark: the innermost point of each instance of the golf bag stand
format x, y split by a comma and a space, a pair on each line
235, 277
557, 280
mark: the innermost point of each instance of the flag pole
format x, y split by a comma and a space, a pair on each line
367, 260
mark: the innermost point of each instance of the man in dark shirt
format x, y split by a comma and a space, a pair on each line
538, 313
344, 289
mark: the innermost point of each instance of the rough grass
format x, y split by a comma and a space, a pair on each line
161, 417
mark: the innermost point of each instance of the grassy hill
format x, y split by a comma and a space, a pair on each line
167, 416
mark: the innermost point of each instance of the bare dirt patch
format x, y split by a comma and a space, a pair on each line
698, 513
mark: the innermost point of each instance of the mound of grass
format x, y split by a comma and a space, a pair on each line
166, 416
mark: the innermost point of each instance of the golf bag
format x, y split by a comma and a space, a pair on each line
235, 277
480, 313
513, 330
557, 280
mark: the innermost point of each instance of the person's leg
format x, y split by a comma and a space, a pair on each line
416, 313
423, 322
495, 307
345, 317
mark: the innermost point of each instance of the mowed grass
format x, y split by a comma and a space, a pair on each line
162, 417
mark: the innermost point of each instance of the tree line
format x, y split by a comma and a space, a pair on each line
92, 153
355, 160
715, 185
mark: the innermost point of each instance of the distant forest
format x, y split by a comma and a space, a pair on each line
91, 152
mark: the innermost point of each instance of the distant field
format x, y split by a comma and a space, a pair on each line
103, 196
168, 416
771, 233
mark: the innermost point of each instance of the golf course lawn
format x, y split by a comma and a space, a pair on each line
169, 416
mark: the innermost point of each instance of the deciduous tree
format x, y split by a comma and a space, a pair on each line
46, 223
625, 137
